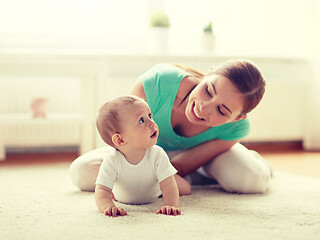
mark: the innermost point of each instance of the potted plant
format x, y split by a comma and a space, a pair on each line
208, 38
158, 33
159, 19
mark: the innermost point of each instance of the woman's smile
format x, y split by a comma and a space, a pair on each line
195, 113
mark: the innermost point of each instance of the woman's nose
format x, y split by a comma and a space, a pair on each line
204, 106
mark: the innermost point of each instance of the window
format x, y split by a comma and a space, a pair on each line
247, 27
250, 27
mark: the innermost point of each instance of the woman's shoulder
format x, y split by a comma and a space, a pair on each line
186, 85
168, 70
164, 76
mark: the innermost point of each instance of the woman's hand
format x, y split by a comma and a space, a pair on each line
114, 212
169, 210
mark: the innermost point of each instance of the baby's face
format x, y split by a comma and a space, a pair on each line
138, 128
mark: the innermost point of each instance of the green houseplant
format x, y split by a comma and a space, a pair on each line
208, 28
159, 19
208, 38
158, 33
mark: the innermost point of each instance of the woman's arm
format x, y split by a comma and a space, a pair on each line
190, 160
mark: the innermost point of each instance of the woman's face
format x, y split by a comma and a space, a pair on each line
214, 101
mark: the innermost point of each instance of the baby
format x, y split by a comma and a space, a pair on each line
135, 171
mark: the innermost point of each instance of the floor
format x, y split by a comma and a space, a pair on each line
303, 163
288, 159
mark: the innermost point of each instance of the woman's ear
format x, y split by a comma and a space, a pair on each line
117, 140
241, 117
211, 68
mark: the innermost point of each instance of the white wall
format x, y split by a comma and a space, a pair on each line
278, 118
280, 36
312, 113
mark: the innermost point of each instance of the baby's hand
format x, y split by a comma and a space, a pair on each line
169, 210
114, 212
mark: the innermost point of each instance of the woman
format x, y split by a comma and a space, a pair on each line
201, 120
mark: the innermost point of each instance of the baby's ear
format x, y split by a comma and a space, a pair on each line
117, 140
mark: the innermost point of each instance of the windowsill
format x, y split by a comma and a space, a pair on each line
104, 54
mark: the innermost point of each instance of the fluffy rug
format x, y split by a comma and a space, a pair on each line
39, 202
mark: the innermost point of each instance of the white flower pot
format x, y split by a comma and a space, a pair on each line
208, 42
158, 40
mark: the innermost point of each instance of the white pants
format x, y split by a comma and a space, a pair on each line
236, 170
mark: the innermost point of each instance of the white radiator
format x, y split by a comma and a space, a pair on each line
21, 130
16, 93
61, 126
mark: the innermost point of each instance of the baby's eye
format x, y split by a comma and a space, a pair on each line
141, 120
150, 115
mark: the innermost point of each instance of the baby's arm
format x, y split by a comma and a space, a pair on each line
103, 197
170, 195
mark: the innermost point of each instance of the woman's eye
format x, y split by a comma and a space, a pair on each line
141, 120
207, 90
150, 115
219, 110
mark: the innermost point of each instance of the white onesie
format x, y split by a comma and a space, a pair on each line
135, 184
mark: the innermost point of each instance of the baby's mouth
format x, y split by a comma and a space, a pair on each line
196, 113
154, 134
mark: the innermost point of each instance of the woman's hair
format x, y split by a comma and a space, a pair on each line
108, 121
244, 75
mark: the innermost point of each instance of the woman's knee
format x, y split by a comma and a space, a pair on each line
249, 181
84, 170
239, 170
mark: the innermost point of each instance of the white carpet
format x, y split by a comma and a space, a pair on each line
40, 203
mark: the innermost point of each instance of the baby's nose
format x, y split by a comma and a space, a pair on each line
153, 124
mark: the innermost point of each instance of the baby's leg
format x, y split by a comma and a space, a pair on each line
240, 170
84, 170
183, 185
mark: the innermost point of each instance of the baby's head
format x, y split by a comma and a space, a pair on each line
127, 119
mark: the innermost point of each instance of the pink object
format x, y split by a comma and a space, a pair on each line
39, 107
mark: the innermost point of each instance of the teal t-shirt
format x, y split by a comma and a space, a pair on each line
161, 84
